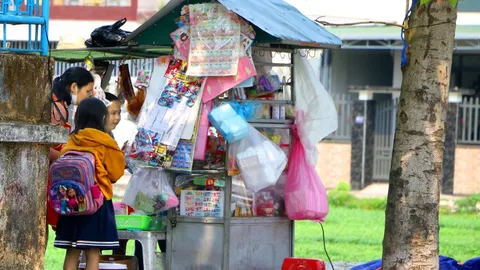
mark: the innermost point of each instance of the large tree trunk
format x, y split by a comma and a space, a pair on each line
411, 223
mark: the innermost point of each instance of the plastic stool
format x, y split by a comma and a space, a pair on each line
302, 264
148, 240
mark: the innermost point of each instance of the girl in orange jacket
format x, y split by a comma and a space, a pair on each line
96, 232
73, 86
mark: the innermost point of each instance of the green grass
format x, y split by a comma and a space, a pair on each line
54, 256
353, 235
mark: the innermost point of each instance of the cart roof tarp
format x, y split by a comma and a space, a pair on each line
275, 21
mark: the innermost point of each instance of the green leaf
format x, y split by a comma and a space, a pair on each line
453, 2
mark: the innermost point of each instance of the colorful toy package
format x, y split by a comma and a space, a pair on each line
180, 85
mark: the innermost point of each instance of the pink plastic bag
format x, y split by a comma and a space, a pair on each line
305, 195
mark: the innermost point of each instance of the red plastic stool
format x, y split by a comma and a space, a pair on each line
302, 264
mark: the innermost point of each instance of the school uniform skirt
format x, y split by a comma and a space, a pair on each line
90, 231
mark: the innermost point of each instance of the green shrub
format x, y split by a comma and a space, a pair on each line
340, 197
343, 187
468, 205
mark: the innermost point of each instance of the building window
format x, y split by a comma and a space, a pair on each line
93, 3
99, 10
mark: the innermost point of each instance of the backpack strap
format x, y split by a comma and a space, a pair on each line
62, 118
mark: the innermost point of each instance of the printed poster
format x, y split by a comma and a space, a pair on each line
199, 203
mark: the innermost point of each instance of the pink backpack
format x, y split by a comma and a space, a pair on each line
73, 190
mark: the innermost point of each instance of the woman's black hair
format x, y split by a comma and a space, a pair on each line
61, 85
91, 113
111, 97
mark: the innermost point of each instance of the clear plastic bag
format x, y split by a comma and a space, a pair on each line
305, 196
149, 191
320, 114
260, 161
242, 199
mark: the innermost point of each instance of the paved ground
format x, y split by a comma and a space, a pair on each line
340, 265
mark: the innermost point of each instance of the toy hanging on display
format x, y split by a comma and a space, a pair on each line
179, 85
216, 150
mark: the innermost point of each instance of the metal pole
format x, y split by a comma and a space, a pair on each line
46, 16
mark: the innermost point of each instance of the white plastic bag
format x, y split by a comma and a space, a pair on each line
260, 161
320, 113
149, 191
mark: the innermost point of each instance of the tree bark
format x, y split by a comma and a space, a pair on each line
411, 222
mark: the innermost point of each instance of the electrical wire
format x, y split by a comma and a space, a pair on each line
325, 246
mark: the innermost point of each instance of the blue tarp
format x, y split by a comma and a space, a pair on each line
282, 20
446, 263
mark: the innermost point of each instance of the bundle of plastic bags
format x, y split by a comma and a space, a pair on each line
149, 191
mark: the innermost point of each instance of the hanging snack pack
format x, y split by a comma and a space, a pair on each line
143, 79
125, 82
181, 40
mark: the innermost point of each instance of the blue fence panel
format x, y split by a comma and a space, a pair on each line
32, 14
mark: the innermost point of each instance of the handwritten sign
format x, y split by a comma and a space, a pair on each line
198, 203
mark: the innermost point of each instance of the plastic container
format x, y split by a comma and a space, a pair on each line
133, 222
159, 222
105, 266
300, 263
232, 126
130, 261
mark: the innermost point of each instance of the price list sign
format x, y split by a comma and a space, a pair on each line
197, 203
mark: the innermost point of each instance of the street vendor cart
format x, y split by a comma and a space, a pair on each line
222, 221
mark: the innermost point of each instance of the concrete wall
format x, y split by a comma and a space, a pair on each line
333, 164
360, 67
467, 170
334, 159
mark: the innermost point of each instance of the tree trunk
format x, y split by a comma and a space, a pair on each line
411, 223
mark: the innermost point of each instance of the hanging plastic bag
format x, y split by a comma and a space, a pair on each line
305, 195
320, 117
108, 35
260, 161
149, 191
